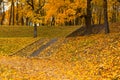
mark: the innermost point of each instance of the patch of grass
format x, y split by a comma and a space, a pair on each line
9, 46
16, 31
25, 31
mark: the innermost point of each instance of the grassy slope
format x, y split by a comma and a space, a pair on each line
49, 32
13, 38
9, 46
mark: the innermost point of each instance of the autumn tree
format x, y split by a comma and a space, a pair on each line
35, 9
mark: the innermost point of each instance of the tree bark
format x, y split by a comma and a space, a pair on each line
100, 16
35, 30
13, 15
35, 26
22, 17
88, 18
17, 14
106, 17
27, 21
3, 14
10, 18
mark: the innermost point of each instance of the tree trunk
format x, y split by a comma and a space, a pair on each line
3, 14
22, 21
88, 18
106, 17
10, 18
35, 30
13, 15
17, 14
35, 25
27, 21
22, 17
100, 16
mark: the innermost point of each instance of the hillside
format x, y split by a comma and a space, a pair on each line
95, 57
15, 38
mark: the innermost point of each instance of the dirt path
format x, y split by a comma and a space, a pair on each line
38, 51
30, 48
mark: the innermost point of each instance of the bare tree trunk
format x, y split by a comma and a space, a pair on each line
22, 21
27, 21
10, 18
100, 16
17, 14
21, 17
35, 30
13, 13
3, 14
106, 17
88, 18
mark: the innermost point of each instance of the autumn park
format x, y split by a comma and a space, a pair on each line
59, 39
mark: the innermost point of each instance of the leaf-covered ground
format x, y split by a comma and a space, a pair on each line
95, 57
